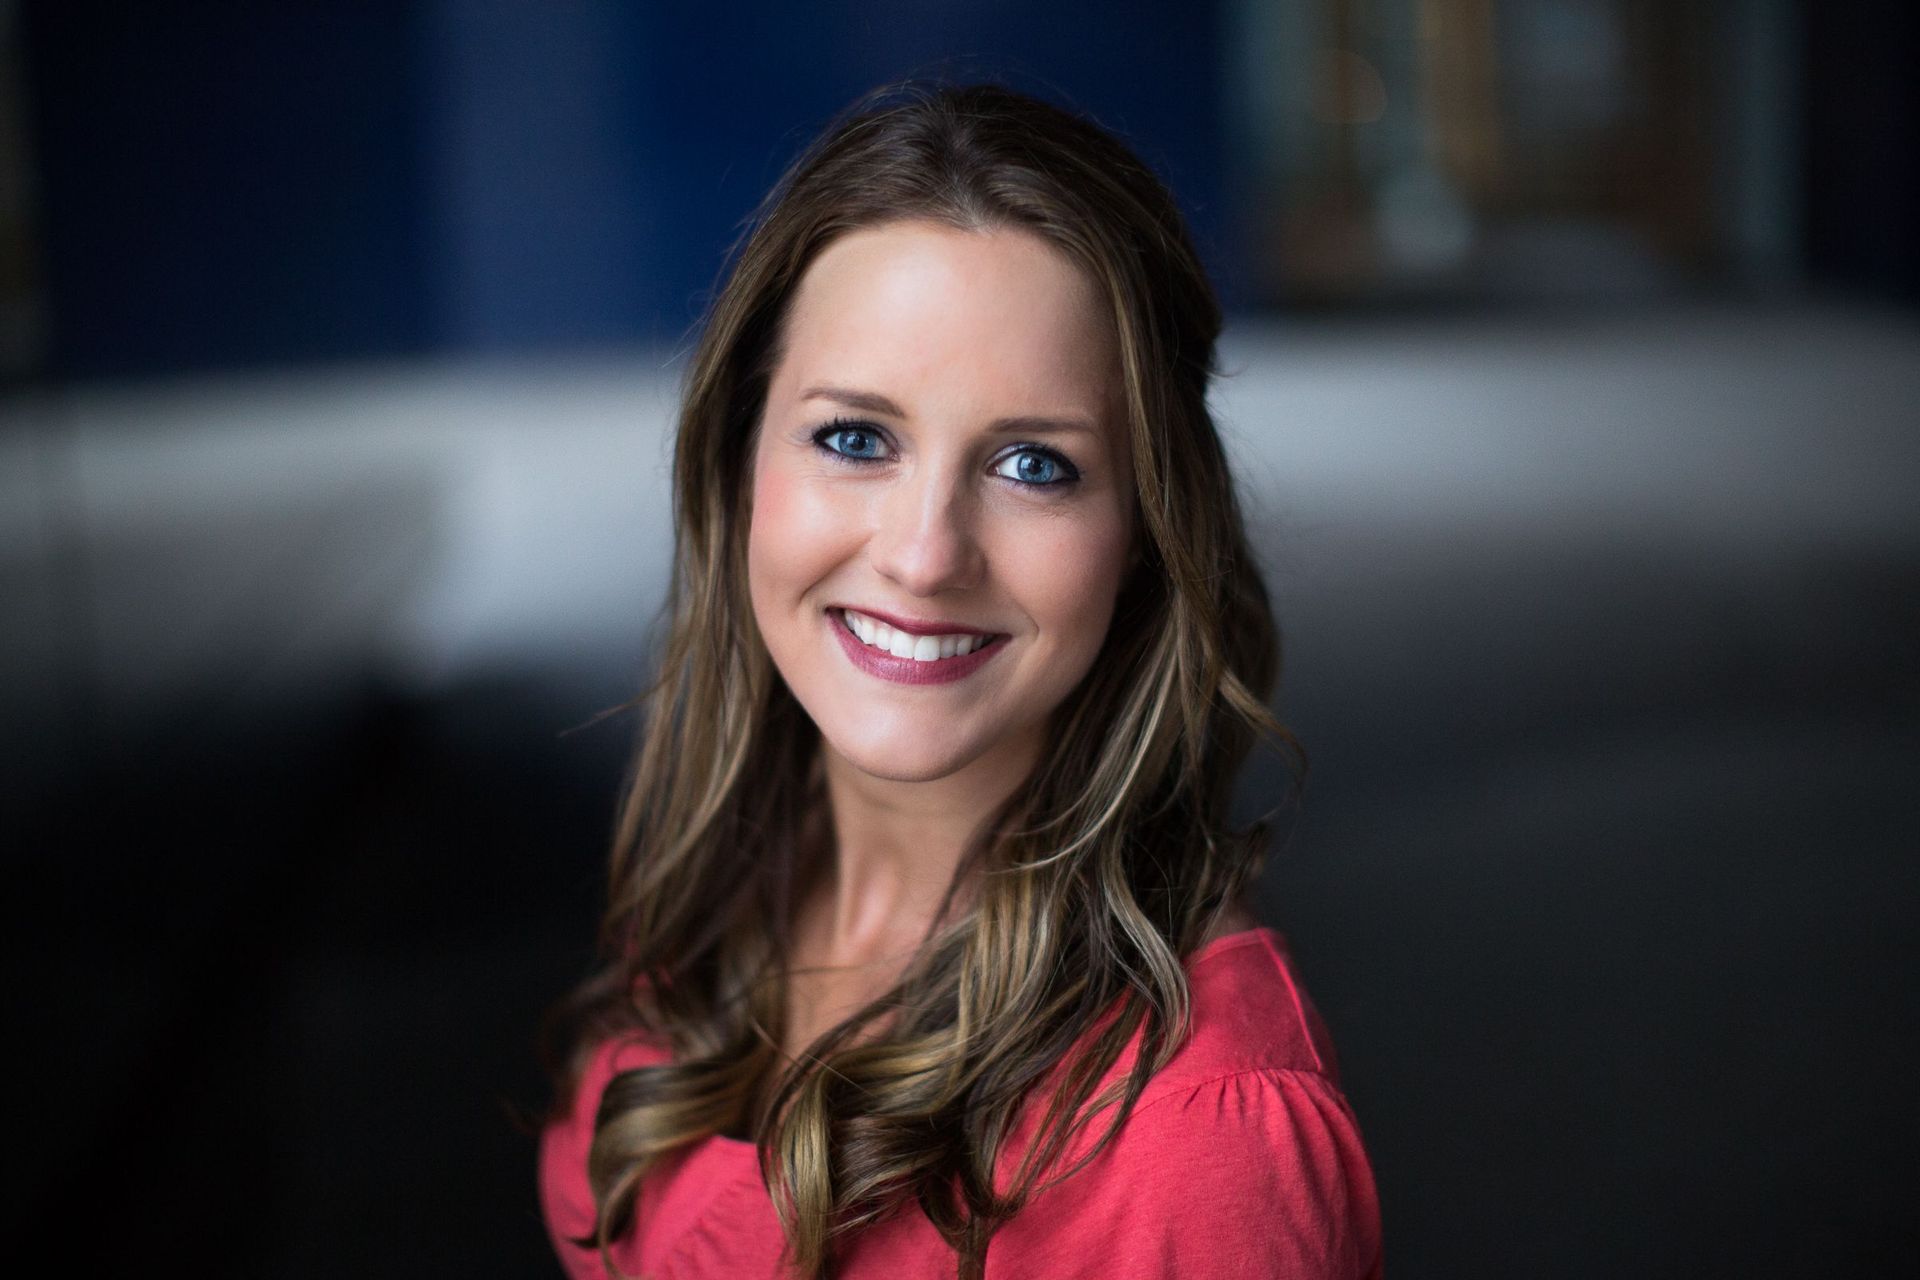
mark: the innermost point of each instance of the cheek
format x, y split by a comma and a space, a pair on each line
767, 542
795, 536
1069, 575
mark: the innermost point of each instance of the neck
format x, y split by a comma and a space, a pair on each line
897, 846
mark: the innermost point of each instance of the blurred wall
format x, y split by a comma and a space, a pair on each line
334, 505
260, 184
1862, 145
228, 185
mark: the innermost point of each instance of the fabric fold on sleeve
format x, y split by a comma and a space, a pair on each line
566, 1199
1259, 1172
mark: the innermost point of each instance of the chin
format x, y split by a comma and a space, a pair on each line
902, 758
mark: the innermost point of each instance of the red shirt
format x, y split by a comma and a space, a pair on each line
1241, 1159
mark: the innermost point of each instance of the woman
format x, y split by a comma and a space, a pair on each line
925, 946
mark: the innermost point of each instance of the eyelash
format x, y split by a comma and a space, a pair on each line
1069, 473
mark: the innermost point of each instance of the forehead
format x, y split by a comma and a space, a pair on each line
990, 321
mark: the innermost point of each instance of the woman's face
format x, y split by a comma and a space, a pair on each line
941, 494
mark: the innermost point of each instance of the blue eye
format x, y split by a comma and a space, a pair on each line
850, 441
1041, 468
1030, 465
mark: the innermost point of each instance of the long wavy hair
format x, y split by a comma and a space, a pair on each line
1100, 873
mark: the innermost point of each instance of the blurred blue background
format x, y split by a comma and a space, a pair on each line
1572, 386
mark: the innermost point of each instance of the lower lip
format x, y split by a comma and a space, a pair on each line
878, 662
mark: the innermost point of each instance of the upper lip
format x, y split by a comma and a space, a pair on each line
917, 626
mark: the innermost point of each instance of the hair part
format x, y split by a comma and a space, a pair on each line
1110, 864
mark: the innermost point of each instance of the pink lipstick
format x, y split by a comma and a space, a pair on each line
879, 662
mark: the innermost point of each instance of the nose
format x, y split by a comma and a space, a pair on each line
924, 538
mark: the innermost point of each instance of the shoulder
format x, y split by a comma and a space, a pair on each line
1249, 1016
1254, 1094
1250, 1013
566, 1197
1242, 1156
1260, 1172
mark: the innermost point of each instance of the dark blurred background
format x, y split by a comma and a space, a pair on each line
1572, 383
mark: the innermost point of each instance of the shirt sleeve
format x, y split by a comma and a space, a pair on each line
1257, 1173
566, 1197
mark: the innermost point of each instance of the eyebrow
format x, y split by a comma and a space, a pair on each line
1024, 424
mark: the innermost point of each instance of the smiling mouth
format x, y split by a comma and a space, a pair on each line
880, 637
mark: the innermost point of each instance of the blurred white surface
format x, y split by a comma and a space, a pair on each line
232, 540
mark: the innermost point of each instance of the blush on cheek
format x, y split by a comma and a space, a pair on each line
799, 533
766, 494
789, 515
766, 534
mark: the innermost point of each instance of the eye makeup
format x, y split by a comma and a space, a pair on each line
857, 443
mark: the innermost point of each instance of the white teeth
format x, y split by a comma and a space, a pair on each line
902, 644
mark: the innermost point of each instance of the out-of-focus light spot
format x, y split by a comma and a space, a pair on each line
1347, 89
1423, 223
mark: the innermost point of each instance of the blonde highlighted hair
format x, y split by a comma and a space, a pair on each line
1111, 863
